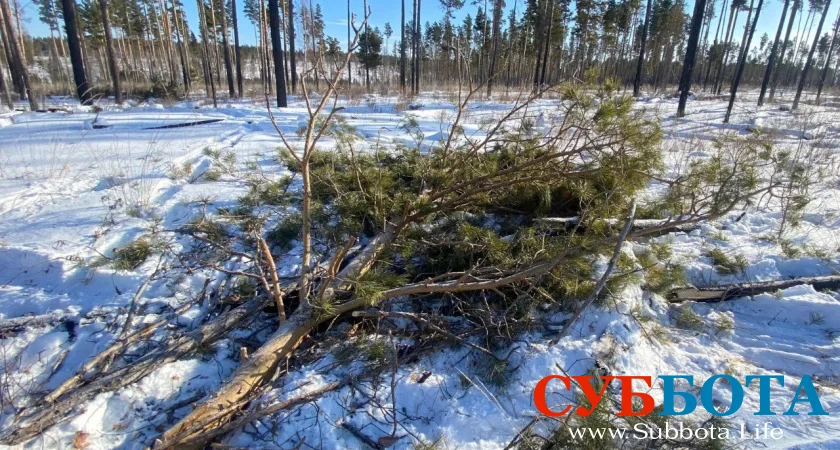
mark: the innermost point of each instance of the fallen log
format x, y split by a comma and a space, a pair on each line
731, 291
664, 225
184, 125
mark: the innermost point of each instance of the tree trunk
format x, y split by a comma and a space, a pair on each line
315, 56
539, 36
746, 33
109, 51
7, 97
226, 52
367, 46
181, 52
402, 47
292, 53
14, 70
167, 30
772, 60
730, 30
775, 77
419, 45
804, 76
732, 291
704, 44
547, 46
494, 55
17, 58
828, 59
264, 32
236, 50
691, 54
79, 76
17, 78
638, 79
277, 52
717, 36
206, 58
742, 60
349, 43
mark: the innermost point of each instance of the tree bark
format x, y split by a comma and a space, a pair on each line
691, 54
638, 79
79, 76
292, 53
419, 46
226, 52
237, 50
277, 52
349, 49
402, 47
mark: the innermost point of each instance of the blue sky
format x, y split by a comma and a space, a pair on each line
382, 11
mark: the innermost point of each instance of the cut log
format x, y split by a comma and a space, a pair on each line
731, 291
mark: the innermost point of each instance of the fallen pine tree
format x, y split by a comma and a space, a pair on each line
732, 291
398, 200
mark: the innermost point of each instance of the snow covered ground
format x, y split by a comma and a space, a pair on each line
72, 192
